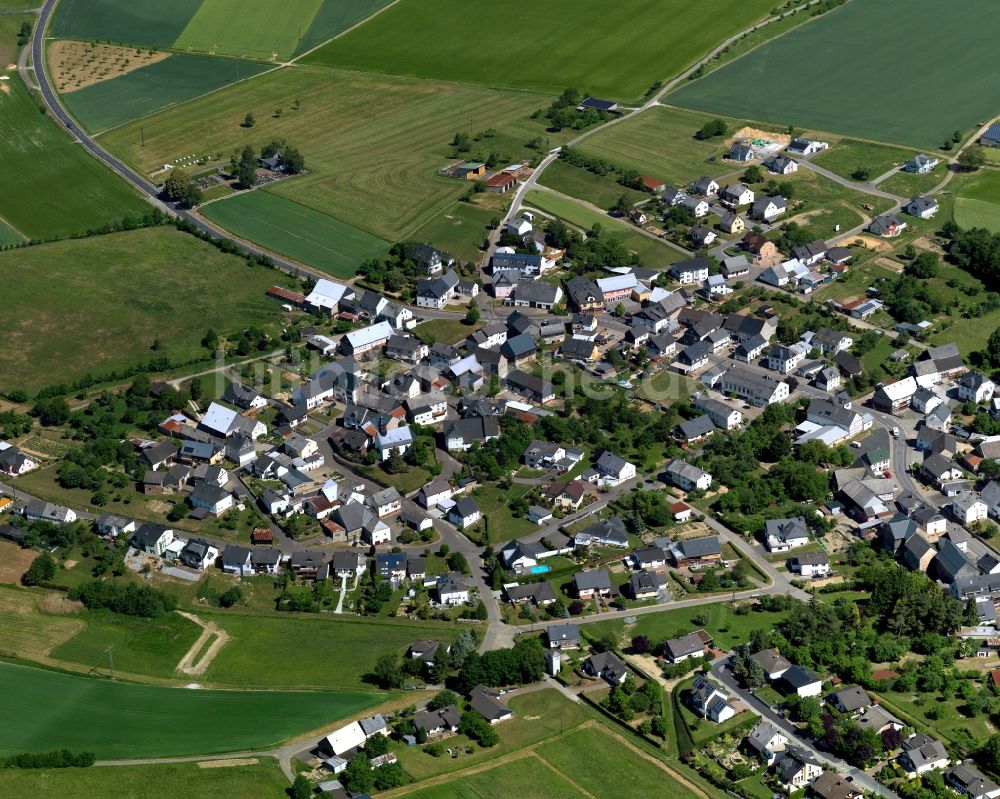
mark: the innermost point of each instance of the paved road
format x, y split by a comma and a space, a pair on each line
720, 671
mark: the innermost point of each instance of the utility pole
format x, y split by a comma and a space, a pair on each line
111, 660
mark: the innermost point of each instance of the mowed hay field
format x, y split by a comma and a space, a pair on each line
127, 720
524, 778
177, 78
978, 202
98, 304
845, 72
52, 187
165, 781
373, 144
296, 231
548, 46
259, 29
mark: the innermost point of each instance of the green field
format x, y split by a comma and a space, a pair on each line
845, 156
459, 229
147, 782
8, 235
978, 202
660, 142
147, 22
10, 25
295, 230
51, 186
98, 304
127, 720
373, 144
524, 778
263, 29
143, 91
335, 17
651, 252
585, 185
838, 73
556, 44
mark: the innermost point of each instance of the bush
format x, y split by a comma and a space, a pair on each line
60, 758
129, 600
231, 596
41, 570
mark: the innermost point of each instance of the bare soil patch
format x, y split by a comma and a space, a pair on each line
924, 243
14, 562
76, 65
228, 762
873, 243
775, 141
891, 264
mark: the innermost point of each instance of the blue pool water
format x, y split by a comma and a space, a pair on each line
540, 569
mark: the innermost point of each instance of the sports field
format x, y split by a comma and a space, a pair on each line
98, 304
127, 720
143, 91
188, 780
297, 231
373, 144
841, 73
542, 46
51, 187
261, 29
148, 22
978, 202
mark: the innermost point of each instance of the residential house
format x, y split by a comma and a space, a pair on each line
692, 270
606, 666
851, 699
588, 584
613, 470
198, 554
766, 742
811, 564
922, 207
921, 164
452, 590
887, 226
211, 498
781, 165
462, 434
465, 513
968, 508
736, 195
768, 208
783, 535
740, 151
486, 702
563, 636
696, 552
830, 785
709, 701
687, 477
796, 768
732, 223
773, 664
153, 539
802, 682
692, 645
975, 387
697, 206
784, 359
706, 187
806, 146
752, 387
921, 754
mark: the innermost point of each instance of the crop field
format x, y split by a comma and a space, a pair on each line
822, 74
112, 719
51, 186
150, 88
335, 17
651, 252
373, 144
978, 202
266, 29
165, 781
80, 324
298, 231
619, 55
148, 22
8, 235
660, 142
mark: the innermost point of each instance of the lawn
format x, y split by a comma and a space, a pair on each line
584, 184
651, 252
821, 74
450, 331
726, 626
329, 653
610, 766
660, 142
373, 144
167, 781
52, 187
820, 205
296, 231
177, 78
113, 719
557, 44
459, 230
951, 720
909, 184
98, 304
978, 202
146, 22
493, 502
845, 156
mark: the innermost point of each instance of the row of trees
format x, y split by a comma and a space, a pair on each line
129, 600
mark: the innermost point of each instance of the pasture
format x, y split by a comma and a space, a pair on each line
297, 231
165, 781
558, 43
820, 75
651, 252
978, 202
52, 187
79, 323
146, 22
373, 144
114, 719
172, 80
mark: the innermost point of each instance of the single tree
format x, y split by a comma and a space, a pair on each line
971, 158
249, 120
246, 169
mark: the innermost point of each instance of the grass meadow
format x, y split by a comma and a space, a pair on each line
98, 304
978, 202
524, 778
262, 29
143, 91
52, 187
10, 24
126, 720
458, 229
845, 156
297, 231
165, 781
556, 44
147, 22
373, 144
651, 252
838, 72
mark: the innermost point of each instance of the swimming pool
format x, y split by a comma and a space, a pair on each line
540, 569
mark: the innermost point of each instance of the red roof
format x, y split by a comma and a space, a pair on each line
262, 535
679, 507
501, 179
286, 294
652, 183
995, 676
884, 674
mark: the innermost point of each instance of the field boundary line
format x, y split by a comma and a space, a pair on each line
16, 230
344, 32
564, 776
657, 762
485, 765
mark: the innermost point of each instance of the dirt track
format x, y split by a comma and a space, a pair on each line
191, 664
